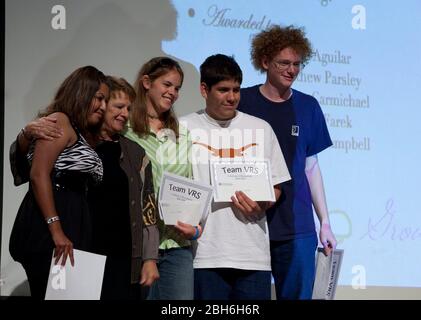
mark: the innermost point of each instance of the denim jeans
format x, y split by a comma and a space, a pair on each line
175, 281
293, 267
231, 284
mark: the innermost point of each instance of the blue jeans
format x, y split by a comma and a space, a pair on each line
231, 284
293, 267
175, 281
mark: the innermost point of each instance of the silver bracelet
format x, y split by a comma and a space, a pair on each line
53, 219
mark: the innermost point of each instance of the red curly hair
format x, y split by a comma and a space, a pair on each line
268, 43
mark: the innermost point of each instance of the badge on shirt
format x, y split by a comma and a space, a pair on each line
295, 131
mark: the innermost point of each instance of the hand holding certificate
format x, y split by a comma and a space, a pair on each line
83, 281
182, 199
253, 177
187, 212
327, 274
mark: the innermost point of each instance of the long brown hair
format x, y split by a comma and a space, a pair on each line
75, 94
154, 68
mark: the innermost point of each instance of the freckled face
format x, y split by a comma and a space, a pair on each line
280, 76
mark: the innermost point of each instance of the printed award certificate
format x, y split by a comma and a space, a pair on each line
183, 199
253, 177
327, 274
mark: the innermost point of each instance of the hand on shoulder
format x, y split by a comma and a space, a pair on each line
62, 122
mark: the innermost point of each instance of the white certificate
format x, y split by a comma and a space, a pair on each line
327, 274
187, 212
83, 281
183, 199
253, 177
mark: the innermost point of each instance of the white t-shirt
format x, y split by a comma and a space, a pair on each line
229, 239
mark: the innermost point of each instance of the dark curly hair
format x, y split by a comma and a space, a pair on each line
268, 43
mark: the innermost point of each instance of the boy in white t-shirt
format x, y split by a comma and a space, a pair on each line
232, 257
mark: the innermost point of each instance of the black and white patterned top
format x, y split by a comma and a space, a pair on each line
79, 157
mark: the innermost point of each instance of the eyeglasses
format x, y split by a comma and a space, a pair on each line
285, 64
